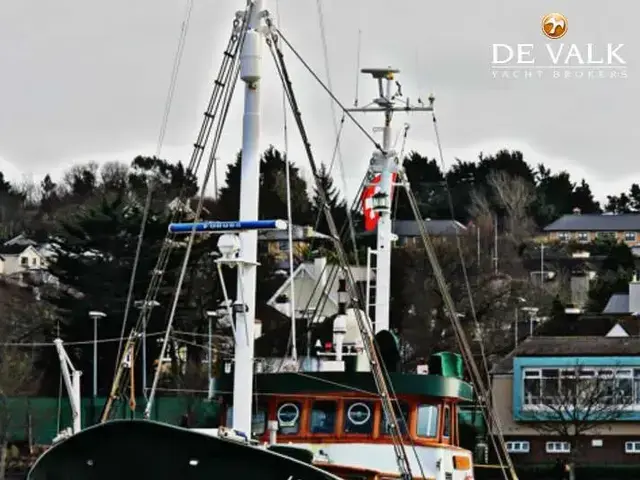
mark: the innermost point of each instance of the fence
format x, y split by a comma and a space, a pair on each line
39, 419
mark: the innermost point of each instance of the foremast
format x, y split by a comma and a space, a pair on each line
388, 166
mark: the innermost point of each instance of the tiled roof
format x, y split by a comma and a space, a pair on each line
569, 347
596, 222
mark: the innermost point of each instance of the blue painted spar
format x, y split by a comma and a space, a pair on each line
231, 226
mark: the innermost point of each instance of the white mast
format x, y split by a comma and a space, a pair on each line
385, 164
250, 73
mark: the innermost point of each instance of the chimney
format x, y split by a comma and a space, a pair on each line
577, 211
634, 294
342, 296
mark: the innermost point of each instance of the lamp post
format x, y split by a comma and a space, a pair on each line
520, 300
145, 305
532, 312
95, 315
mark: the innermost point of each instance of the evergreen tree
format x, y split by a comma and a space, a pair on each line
337, 206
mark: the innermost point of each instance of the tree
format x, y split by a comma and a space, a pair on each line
273, 190
337, 205
427, 183
575, 401
626, 202
612, 277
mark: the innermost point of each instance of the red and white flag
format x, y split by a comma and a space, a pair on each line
371, 217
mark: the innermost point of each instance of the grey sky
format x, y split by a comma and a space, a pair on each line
87, 81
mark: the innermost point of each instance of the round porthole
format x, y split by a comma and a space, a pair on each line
359, 413
288, 414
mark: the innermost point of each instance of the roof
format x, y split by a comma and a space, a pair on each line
313, 383
12, 249
618, 303
568, 346
588, 326
410, 228
596, 222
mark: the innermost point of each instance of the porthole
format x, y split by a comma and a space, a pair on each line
288, 414
359, 413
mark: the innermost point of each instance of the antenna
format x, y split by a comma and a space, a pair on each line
383, 169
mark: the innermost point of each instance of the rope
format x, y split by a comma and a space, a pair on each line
147, 203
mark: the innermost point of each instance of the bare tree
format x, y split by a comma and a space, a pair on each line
514, 195
571, 402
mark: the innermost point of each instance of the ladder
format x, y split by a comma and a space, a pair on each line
370, 293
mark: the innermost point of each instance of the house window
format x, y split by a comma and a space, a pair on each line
283, 245
605, 385
563, 236
34, 261
558, 447
583, 237
427, 421
323, 417
518, 447
631, 447
606, 235
402, 415
358, 417
630, 236
24, 261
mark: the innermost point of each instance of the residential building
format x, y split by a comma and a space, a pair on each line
585, 228
592, 381
22, 258
625, 303
315, 288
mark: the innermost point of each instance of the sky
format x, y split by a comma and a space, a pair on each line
87, 81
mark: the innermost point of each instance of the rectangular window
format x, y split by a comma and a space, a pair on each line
532, 379
323, 417
632, 447
446, 427
518, 447
563, 236
402, 415
606, 235
24, 261
427, 421
258, 420
583, 237
630, 236
558, 447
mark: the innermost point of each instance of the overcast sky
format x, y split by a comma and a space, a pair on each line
86, 80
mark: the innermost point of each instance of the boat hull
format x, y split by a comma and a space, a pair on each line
135, 449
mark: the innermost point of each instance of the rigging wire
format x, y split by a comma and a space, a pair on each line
292, 298
325, 52
458, 330
226, 103
380, 374
147, 203
355, 101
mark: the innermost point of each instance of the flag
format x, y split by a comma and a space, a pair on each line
371, 217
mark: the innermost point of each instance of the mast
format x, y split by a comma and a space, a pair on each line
250, 73
387, 164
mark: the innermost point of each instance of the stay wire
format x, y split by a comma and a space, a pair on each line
147, 203
379, 371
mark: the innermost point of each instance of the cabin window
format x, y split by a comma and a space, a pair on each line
427, 421
446, 428
323, 417
402, 414
288, 416
358, 417
258, 420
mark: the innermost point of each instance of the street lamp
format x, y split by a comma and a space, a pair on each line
380, 202
145, 305
532, 312
520, 300
95, 315
211, 315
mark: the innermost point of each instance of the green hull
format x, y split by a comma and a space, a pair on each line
140, 449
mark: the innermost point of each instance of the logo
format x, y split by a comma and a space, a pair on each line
557, 59
554, 25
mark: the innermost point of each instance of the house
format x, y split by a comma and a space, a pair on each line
585, 228
315, 288
550, 387
408, 231
625, 303
22, 258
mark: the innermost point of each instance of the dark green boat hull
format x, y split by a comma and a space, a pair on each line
141, 449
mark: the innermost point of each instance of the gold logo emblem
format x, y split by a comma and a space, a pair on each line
554, 25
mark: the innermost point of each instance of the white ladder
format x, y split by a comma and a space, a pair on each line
370, 294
